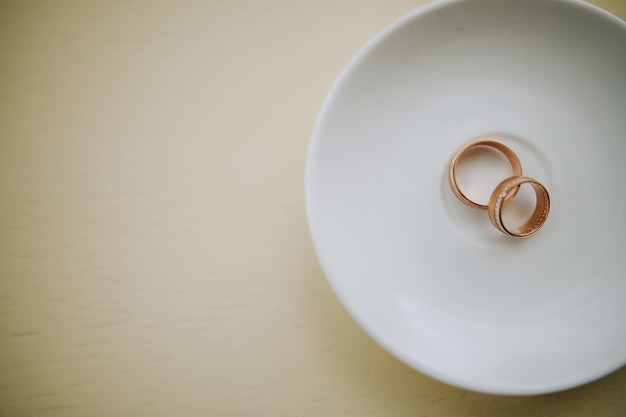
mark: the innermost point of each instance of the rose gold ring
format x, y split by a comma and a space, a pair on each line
536, 220
490, 143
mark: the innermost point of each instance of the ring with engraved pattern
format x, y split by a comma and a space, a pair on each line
537, 218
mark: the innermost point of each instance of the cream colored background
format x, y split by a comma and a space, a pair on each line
154, 253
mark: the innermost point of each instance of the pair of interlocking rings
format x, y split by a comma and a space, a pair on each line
504, 192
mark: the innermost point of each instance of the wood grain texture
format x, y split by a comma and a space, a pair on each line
154, 253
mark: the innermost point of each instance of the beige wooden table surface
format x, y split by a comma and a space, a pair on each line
154, 253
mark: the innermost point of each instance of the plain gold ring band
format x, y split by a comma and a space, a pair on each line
498, 198
491, 143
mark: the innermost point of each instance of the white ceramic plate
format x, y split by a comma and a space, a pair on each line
430, 279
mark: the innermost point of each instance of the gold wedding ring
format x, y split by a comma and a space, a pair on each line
498, 198
505, 150
504, 192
